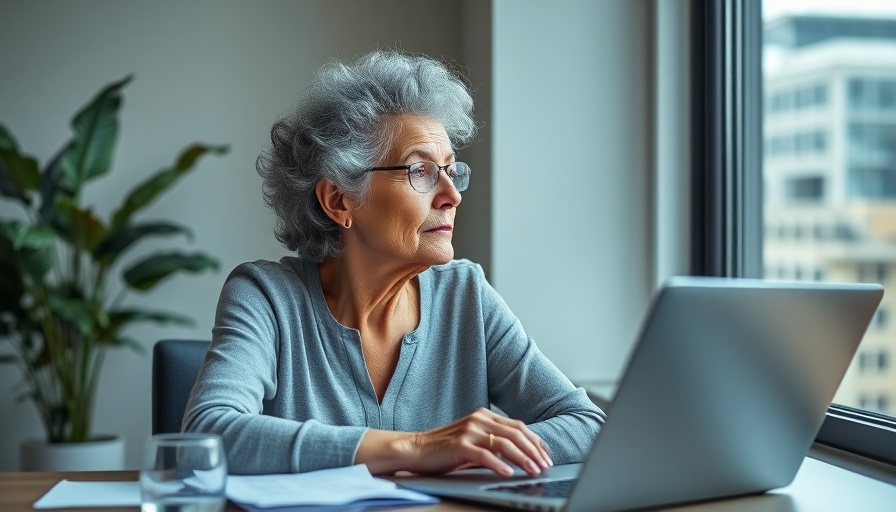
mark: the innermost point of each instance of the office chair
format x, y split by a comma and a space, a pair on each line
175, 365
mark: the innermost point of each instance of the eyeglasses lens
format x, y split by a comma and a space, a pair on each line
425, 175
421, 176
460, 175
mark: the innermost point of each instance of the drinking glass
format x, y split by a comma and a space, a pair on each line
183, 473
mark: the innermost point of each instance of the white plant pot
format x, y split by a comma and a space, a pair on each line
104, 453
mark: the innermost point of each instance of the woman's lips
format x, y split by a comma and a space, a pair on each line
444, 228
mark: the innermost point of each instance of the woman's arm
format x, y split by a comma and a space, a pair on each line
241, 372
526, 385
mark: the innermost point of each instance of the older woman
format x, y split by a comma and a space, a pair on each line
373, 345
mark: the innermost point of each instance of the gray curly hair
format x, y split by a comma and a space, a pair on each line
342, 127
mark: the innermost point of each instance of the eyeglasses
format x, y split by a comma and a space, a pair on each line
423, 176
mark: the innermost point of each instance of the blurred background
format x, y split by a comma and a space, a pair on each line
574, 208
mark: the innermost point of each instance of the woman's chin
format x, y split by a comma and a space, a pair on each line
440, 256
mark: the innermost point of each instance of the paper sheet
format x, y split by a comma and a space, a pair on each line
91, 494
328, 487
317, 490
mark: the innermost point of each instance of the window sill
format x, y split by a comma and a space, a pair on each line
854, 463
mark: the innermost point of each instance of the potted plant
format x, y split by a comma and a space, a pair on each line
57, 309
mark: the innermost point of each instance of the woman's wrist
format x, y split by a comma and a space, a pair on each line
385, 452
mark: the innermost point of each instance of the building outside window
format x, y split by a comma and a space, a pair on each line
829, 80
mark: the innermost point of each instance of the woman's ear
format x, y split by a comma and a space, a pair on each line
334, 203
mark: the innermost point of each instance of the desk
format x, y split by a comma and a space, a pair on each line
819, 487
19, 491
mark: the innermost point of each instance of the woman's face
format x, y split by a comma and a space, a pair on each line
397, 224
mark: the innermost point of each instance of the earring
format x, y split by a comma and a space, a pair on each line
348, 223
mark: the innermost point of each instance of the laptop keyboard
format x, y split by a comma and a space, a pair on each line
546, 489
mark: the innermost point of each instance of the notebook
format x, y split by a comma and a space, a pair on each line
722, 395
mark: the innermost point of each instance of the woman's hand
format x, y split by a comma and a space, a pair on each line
481, 439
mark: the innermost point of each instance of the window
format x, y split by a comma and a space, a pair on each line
843, 231
864, 359
880, 318
820, 96
872, 94
862, 177
809, 188
872, 273
883, 403
873, 361
803, 97
870, 163
865, 401
740, 55
796, 144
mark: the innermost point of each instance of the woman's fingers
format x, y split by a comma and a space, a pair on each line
532, 436
511, 452
536, 442
524, 443
486, 458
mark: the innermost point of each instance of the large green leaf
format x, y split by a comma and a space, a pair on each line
123, 317
96, 131
38, 262
31, 247
146, 192
6, 139
146, 273
73, 310
53, 184
18, 173
26, 236
8, 185
119, 239
80, 226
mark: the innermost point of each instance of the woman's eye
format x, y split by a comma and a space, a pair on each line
418, 172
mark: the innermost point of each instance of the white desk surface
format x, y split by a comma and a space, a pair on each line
819, 486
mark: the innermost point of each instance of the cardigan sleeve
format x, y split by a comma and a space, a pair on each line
527, 386
240, 373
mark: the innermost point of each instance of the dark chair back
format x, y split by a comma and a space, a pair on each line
175, 365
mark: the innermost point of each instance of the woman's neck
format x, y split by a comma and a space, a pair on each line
368, 296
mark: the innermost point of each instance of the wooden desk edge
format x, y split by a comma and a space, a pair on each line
19, 491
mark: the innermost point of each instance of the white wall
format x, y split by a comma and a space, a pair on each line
571, 166
671, 183
207, 70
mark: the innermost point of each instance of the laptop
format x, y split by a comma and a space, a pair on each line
723, 395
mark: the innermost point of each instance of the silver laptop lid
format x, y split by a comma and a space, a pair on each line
725, 390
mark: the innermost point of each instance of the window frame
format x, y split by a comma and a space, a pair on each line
726, 145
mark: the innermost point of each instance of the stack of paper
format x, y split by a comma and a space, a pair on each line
66, 494
319, 490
